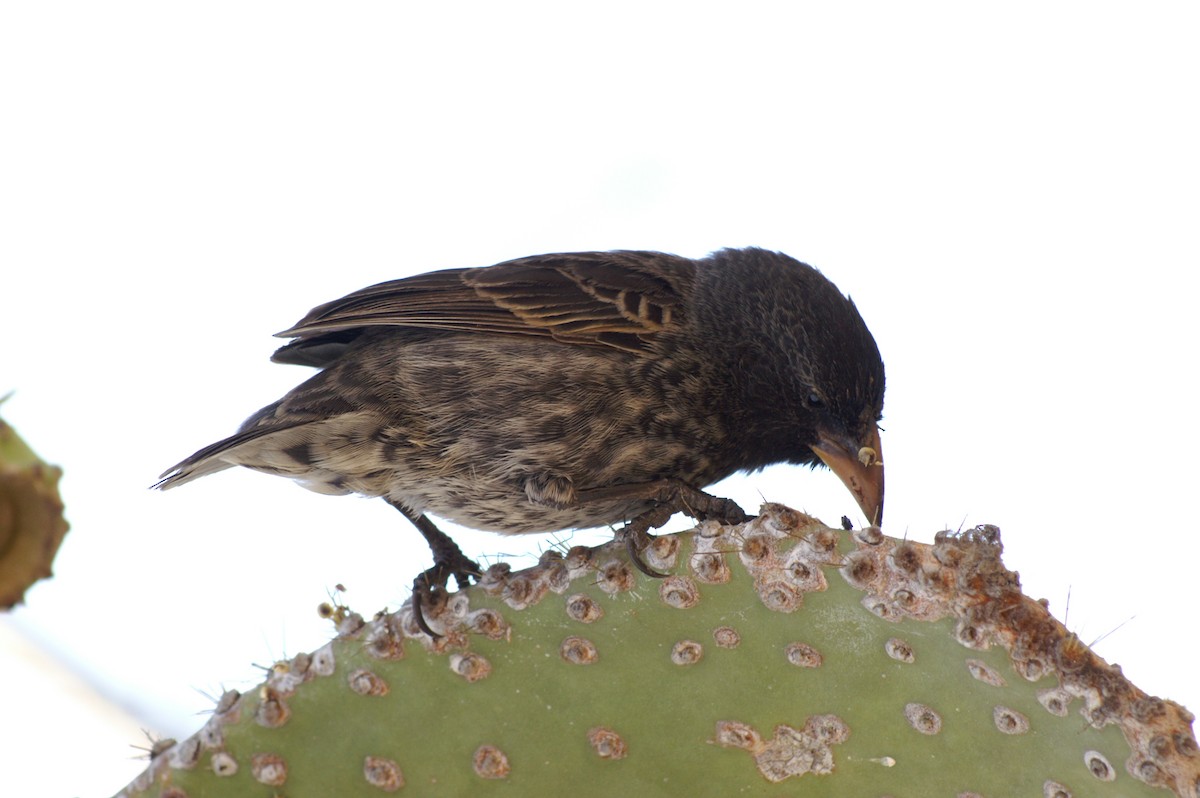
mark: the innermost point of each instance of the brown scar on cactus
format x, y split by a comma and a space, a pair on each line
790, 752
906, 650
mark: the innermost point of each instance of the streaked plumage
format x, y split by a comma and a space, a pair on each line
495, 397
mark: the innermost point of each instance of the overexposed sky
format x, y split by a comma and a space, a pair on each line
1010, 194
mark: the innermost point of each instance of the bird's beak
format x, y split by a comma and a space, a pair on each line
860, 467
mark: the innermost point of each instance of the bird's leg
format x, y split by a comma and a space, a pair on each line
448, 561
669, 496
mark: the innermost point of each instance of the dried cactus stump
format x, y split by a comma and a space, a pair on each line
780, 657
32, 526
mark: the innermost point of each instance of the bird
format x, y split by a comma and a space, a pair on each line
569, 391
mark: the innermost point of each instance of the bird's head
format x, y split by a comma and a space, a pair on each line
841, 382
840, 368
812, 372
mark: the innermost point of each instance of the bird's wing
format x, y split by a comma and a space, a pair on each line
614, 299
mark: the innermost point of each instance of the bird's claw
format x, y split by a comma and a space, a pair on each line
673, 497
429, 588
637, 541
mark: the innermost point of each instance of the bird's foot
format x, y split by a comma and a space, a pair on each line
429, 588
671, 496
638, 538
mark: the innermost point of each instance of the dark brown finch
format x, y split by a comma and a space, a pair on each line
571, 390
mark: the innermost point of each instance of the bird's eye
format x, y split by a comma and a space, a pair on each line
814, 401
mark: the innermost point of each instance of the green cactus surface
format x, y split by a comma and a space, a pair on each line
779, 658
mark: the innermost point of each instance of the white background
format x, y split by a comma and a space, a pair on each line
1008, 192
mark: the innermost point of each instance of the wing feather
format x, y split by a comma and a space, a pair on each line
613, 299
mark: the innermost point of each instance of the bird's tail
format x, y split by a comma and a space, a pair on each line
184, 472
216, 457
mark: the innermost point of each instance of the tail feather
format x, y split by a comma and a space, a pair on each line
212, 458
185, 472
